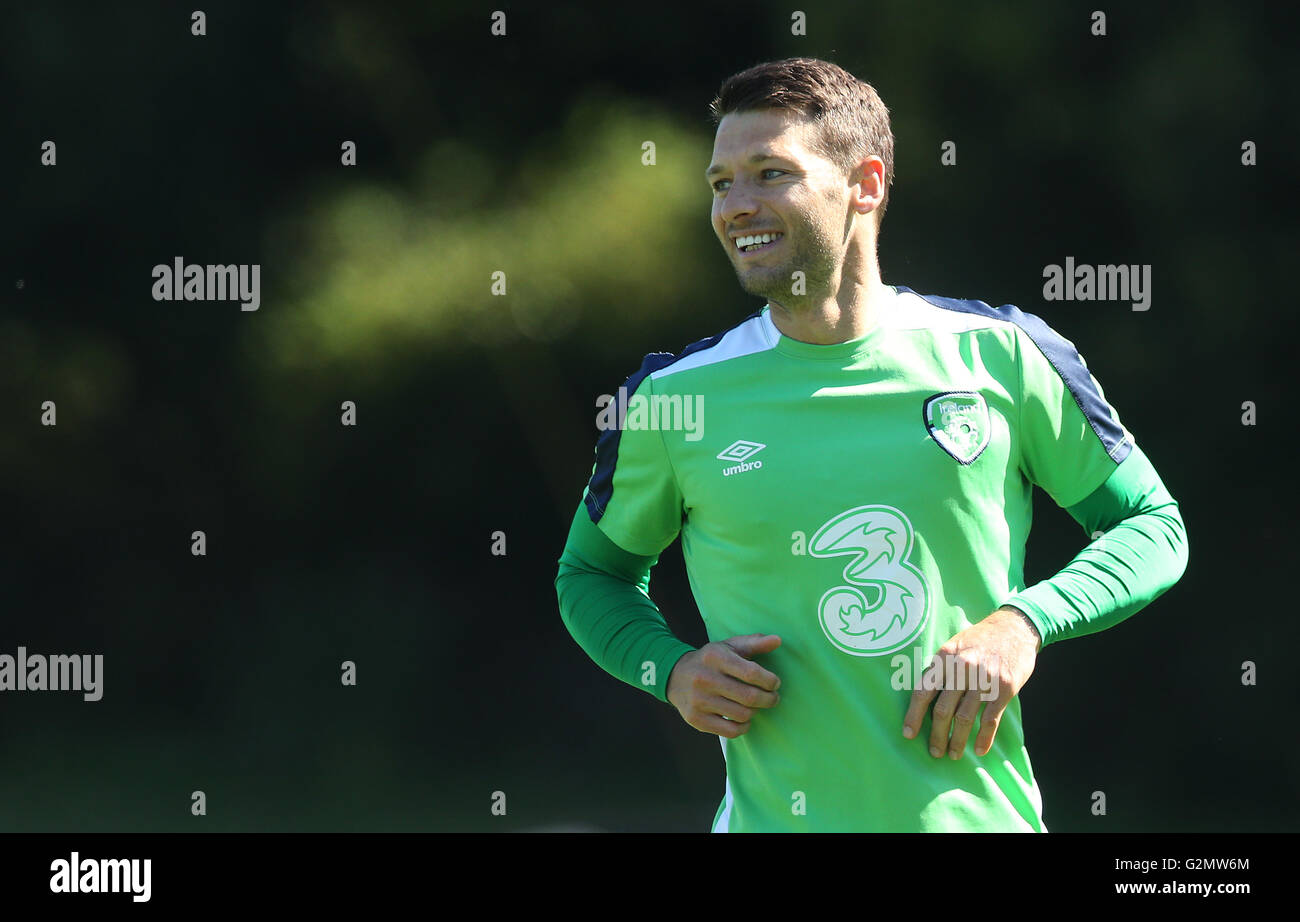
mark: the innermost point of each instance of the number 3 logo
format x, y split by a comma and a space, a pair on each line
880, 540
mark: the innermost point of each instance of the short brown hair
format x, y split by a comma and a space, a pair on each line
851, 119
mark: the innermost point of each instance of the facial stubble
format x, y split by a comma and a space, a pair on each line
811, 253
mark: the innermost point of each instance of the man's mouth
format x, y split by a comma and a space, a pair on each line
758, 243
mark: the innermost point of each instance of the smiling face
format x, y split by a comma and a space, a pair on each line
766, 177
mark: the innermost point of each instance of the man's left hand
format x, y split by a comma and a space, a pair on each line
1001, 650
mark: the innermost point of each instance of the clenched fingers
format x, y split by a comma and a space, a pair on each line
746, 671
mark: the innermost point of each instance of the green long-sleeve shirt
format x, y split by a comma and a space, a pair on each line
866, 501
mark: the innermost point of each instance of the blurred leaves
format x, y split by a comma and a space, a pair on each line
584, 232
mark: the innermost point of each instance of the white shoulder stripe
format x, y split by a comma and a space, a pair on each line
747, 338
909, 311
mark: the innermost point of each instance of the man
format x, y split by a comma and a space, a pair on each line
855, 500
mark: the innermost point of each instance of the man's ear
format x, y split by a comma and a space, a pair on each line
869, 173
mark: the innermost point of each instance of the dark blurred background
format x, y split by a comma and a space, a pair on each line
476, 414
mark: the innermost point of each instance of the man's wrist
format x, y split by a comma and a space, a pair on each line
1038, 638
673, 662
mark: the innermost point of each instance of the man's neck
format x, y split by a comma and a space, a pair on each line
851, 314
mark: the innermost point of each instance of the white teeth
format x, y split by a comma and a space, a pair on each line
742, 242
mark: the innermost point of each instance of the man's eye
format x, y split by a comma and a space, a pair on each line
721, 181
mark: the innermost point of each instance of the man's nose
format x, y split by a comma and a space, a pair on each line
739, 202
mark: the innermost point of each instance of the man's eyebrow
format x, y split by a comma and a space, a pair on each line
756, 158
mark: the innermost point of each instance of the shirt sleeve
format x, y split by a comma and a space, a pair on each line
603, 597
1073, 446
630, 512
1140, 552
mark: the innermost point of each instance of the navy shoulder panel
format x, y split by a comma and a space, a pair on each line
601, 486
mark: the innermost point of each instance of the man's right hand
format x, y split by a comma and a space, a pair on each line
716, 688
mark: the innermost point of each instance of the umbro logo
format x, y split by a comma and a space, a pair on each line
741, 451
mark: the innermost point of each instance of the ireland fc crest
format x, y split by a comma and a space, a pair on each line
959, 422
